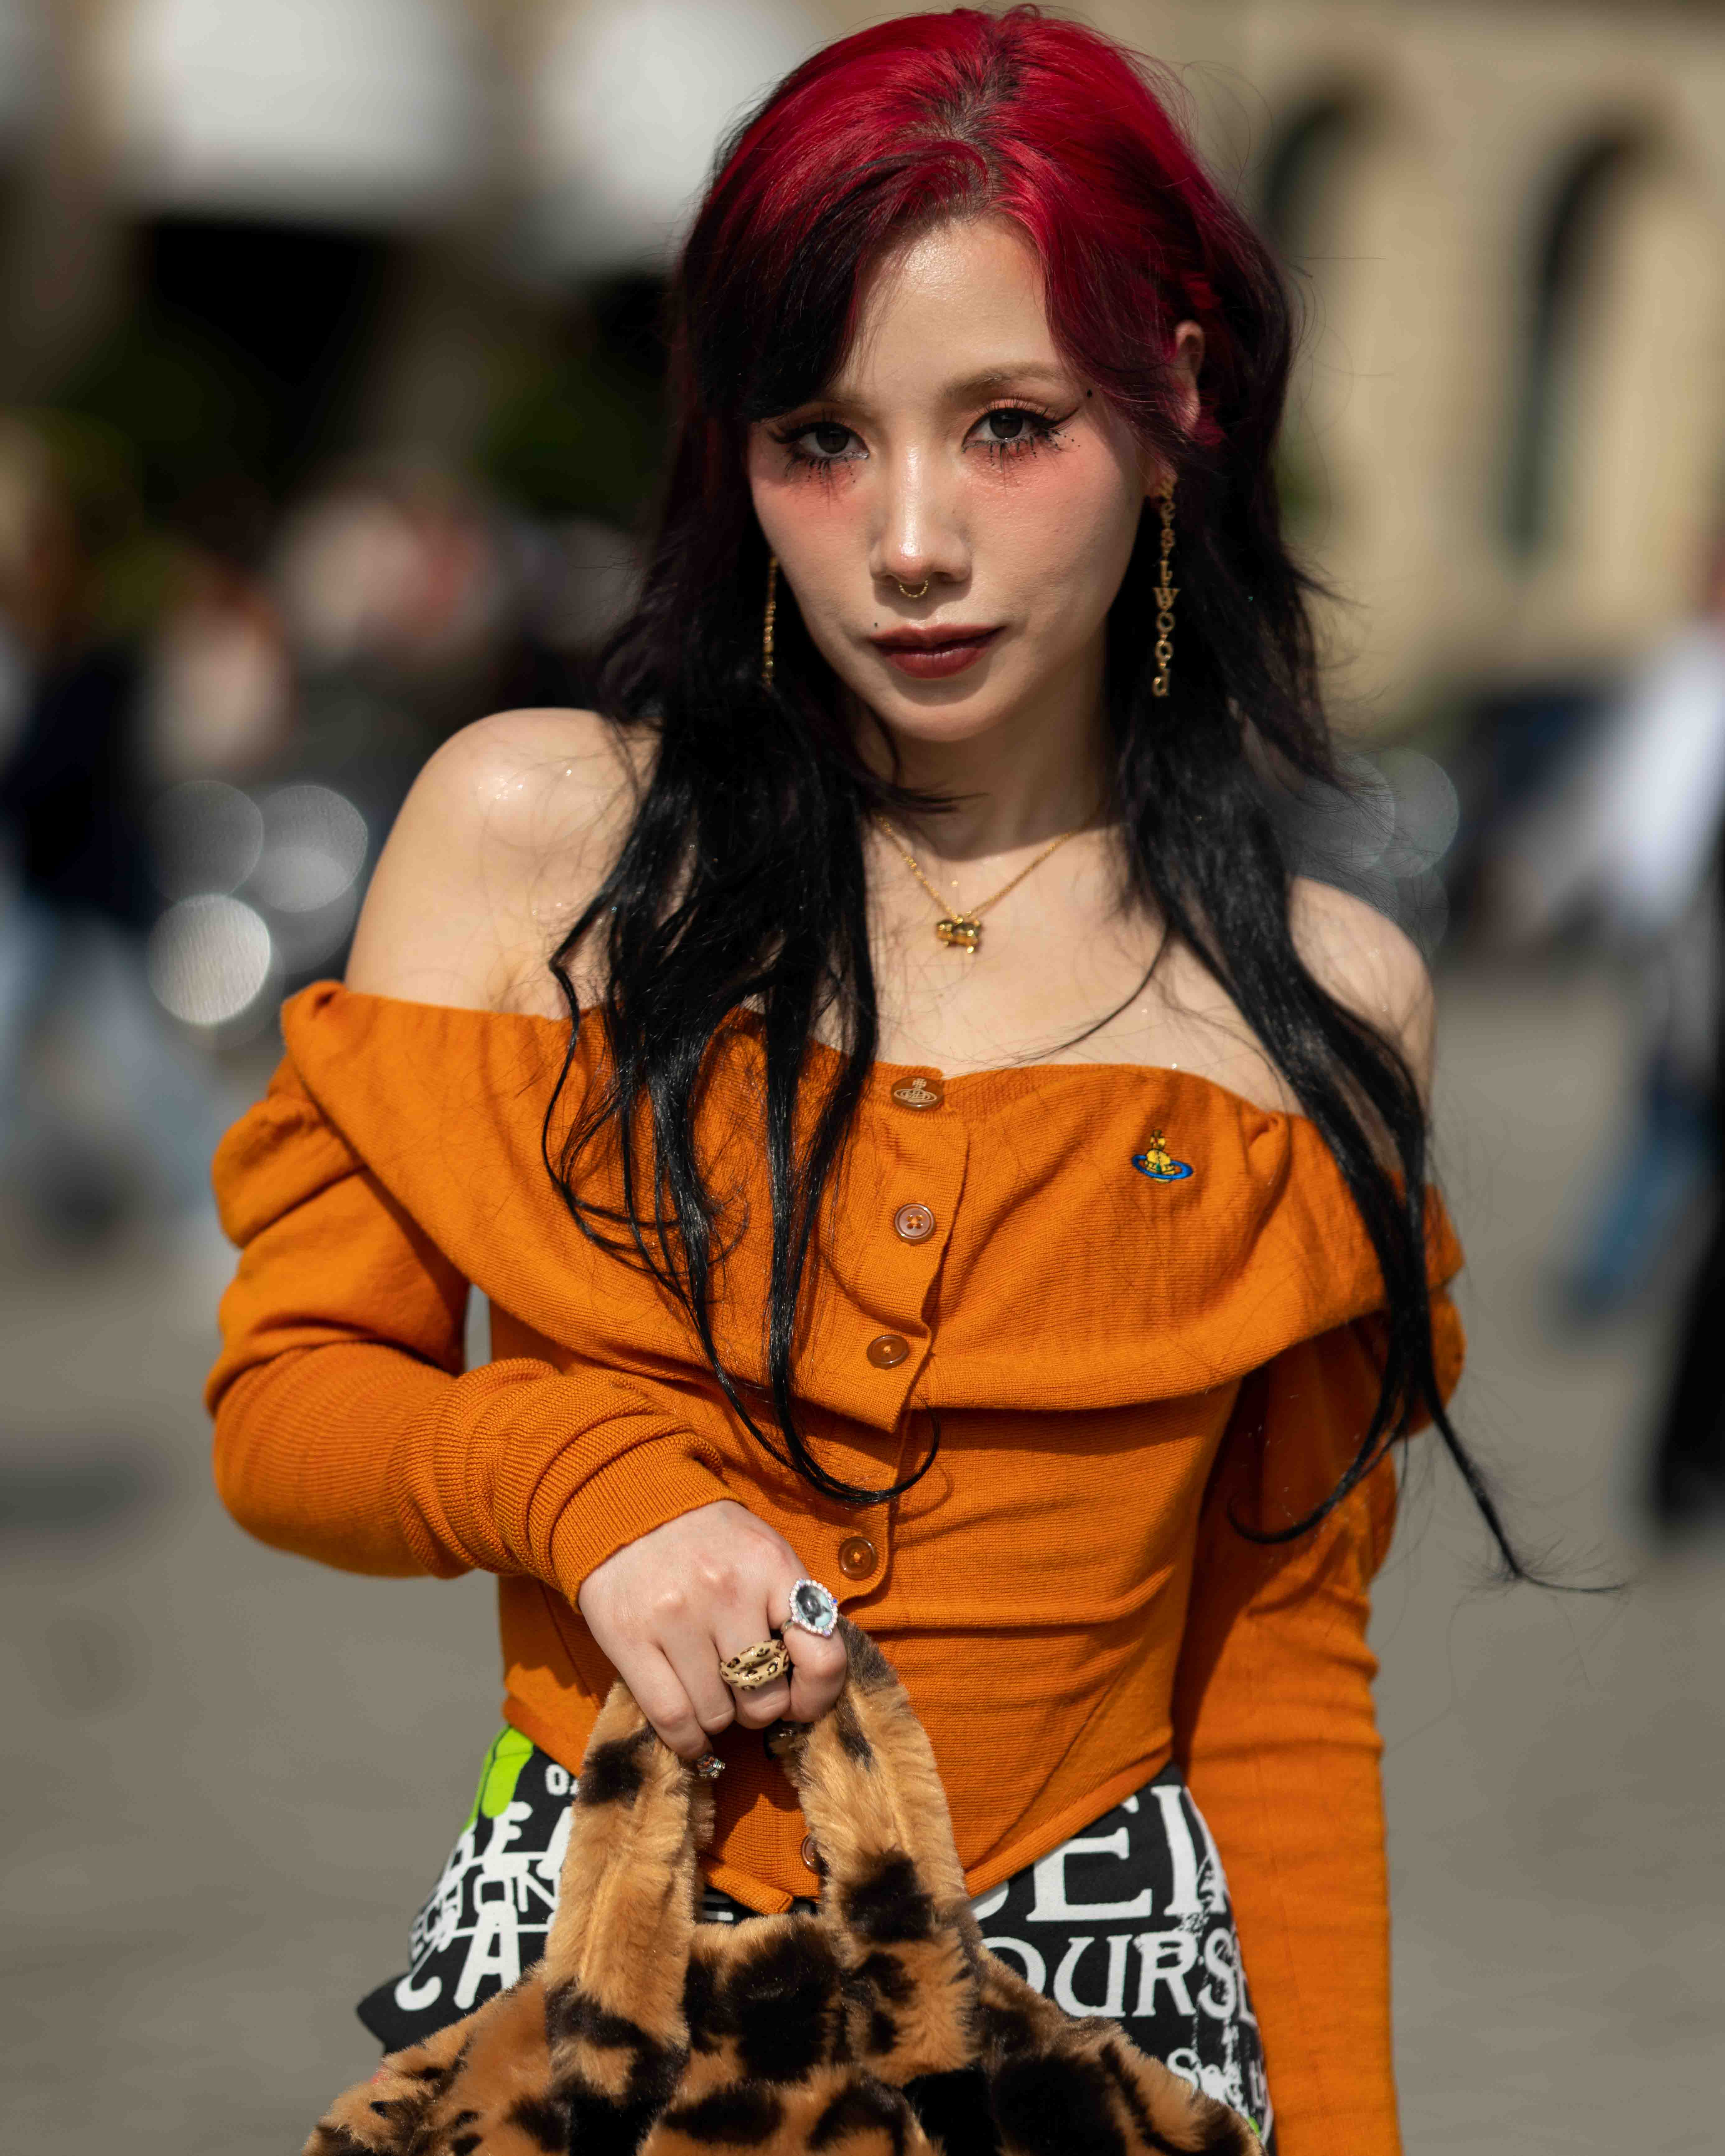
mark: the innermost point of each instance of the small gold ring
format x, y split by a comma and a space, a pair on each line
911, 591
756, 1665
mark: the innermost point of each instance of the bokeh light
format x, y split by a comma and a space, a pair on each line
205, 837
314, 843
1428, 809
210, 958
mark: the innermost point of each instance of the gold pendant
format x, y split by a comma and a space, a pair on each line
960, 929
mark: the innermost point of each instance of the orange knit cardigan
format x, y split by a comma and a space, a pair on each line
1117, 1364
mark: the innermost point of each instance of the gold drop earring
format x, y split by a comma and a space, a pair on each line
1165, 594
767, 621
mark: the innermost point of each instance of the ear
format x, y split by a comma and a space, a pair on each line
1187, 364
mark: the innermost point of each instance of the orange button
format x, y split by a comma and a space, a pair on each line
887, 1350
857, 1557
914, 1223
919, 1093
811, 1854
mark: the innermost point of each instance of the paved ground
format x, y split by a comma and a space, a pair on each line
229, 1777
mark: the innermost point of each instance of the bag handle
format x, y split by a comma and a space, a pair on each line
618, 1946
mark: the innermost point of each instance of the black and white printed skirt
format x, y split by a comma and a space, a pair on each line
1130, 1918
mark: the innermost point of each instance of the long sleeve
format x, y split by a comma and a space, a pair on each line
345, 1429
1274, 1725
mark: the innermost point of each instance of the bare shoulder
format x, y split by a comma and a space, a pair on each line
1369, 965
504, 836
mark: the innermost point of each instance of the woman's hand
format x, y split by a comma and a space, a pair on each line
666, 1611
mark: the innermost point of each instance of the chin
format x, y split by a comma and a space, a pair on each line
948, 717
957, 709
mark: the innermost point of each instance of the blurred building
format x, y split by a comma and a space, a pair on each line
253, 233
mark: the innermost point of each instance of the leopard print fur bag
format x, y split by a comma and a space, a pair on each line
880, 2025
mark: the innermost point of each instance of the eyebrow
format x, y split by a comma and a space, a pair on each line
972, 386
999, 377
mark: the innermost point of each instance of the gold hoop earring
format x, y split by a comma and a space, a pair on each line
909, 593
1165, 594
767, 621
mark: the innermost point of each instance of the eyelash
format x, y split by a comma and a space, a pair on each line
1044, 433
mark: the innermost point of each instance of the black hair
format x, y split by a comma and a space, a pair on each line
740, 884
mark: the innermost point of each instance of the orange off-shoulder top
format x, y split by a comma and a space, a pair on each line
1117, 1360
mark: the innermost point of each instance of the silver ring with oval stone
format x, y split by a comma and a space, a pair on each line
756, 1665
813, 1609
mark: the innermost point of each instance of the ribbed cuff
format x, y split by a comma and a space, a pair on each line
525, 1469
657, 1480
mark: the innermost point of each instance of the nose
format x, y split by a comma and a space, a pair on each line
920, 538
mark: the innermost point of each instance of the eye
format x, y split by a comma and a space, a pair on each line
818, 442
1011, 430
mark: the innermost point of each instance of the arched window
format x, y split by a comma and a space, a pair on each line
1301, 211
1299, 173
23, 40
1613, 463
24, 102
1561, 277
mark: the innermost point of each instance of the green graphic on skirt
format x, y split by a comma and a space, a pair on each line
500, 1771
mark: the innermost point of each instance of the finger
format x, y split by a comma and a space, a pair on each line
691, 1653
764, 1703
749, 1623
818, 1670
663, 1698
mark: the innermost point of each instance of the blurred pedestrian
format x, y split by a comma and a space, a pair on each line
219, 698
73, 792
1627, 845
1686, 1483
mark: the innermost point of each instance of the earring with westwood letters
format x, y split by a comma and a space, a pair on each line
1165, 595
767, 621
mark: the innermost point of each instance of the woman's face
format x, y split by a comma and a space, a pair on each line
956, 445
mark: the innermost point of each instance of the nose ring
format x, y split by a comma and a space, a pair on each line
911, 591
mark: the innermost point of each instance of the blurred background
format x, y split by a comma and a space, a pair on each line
330, 401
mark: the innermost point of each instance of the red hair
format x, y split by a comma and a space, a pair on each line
964, 114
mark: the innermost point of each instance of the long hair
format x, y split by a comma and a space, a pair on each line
742, 881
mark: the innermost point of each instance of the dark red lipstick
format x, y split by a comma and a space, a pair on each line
934, 649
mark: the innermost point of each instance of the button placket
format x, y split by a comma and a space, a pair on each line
896, 1236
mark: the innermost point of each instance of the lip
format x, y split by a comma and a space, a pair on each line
934, 649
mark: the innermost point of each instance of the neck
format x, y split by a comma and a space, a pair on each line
1041, 771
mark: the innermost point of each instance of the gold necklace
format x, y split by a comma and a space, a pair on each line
964, 931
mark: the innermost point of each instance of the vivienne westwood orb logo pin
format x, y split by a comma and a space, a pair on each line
918, 1093
1158, 1164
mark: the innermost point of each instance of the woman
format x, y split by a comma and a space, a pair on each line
911, 1133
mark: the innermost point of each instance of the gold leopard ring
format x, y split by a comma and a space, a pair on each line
756, 1665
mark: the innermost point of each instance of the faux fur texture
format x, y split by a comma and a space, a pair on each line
878, 2026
